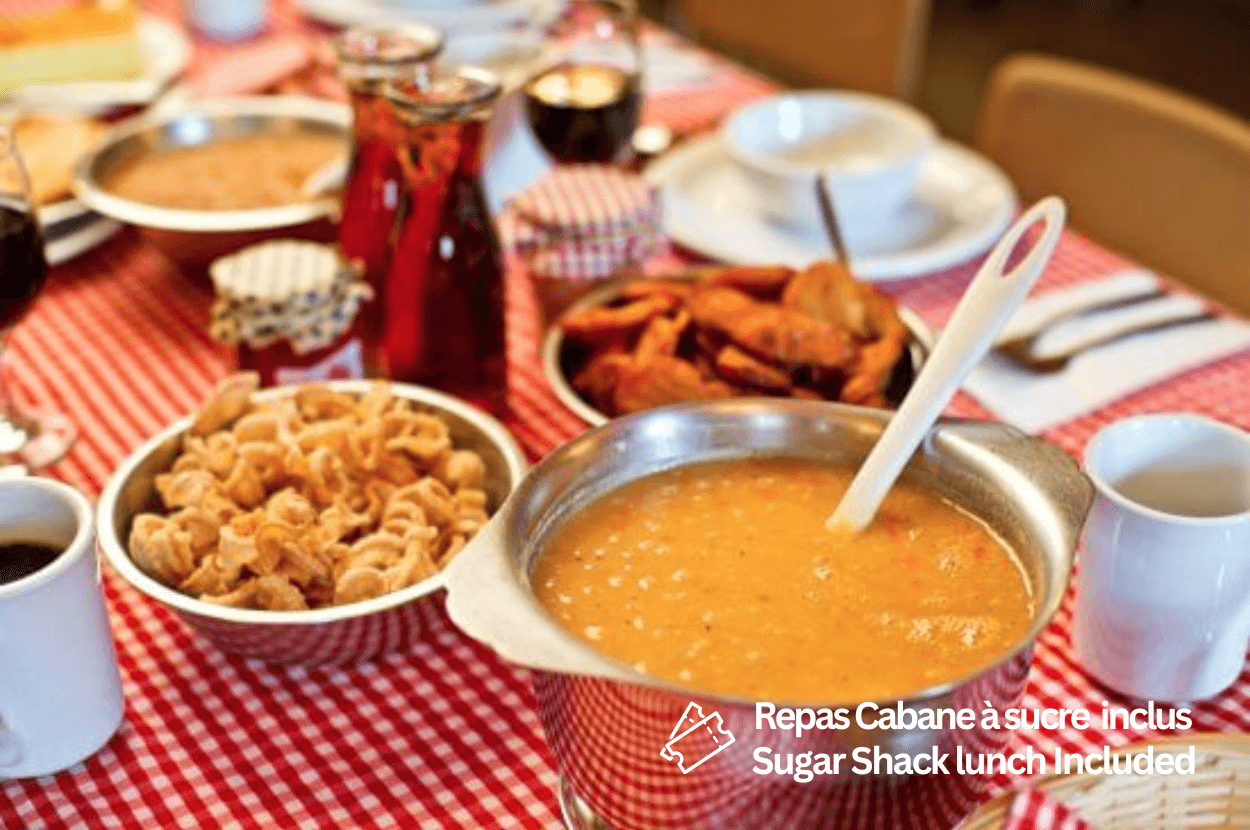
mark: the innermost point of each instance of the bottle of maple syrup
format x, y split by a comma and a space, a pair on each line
444, 310
368, 58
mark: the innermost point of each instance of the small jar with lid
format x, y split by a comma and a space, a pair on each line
291, 310
583, 225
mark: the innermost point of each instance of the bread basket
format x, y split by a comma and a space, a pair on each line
1216, 795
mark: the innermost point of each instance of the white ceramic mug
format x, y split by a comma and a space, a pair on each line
1163, 594
229, 19
60, 692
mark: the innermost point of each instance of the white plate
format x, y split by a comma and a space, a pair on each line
165, 50
65, 210
961, 206
82, 238
451, 18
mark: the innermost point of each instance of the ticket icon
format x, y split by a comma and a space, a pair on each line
695, 738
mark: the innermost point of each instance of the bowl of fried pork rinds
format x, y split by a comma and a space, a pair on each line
726, 331
307, 524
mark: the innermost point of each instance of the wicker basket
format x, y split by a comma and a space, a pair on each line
1216, 795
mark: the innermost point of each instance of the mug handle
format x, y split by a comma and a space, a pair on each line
10, 746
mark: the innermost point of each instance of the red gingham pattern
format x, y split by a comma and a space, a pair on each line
443, 734
688, 112
589, 200
1035, 810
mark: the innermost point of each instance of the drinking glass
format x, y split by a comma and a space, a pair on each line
35, 438
583, 103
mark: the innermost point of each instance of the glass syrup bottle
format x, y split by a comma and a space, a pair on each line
369, 57
444, 316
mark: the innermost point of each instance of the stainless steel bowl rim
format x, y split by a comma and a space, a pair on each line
561, 645
114, 547
553, 342
91, 192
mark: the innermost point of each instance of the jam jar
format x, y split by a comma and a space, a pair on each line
290, 309
367, 58
444, 308
583, 225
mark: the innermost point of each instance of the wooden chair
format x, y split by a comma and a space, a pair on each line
868, 45
1162, 177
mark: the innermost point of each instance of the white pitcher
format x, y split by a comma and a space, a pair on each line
1163, 594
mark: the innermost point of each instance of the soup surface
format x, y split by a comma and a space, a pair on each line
243, 173
723, 577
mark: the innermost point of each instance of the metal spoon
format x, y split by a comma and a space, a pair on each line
830, 217
1054, 307
1051, 349
980, 315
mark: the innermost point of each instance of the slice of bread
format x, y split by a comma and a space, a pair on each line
50, 147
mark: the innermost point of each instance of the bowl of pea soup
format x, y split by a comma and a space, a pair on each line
708, 654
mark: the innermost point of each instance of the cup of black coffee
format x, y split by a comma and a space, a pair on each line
60, 693
21, 559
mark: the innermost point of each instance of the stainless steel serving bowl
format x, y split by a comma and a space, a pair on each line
334, 635
196, 237
561, 359
606, 723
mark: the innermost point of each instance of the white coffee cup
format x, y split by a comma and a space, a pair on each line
60, 692
229, 19
1163, 593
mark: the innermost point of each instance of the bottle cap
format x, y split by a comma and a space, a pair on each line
370, 55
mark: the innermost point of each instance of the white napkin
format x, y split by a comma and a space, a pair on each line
1035, 402
667, 68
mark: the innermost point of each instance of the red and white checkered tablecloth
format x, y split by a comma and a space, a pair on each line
444, 735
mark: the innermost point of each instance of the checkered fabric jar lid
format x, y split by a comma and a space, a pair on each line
288, 289
588, 222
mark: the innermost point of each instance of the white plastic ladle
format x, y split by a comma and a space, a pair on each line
991, 298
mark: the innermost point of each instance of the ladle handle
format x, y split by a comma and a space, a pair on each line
981, 314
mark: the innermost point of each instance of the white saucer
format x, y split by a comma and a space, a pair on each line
166, 51
66, 210
79, 238
451, 18
962, 205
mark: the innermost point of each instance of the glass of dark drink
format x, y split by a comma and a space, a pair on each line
32, 437
583, 104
